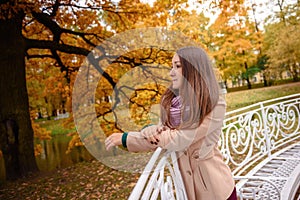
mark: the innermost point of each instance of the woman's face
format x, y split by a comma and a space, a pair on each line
176, 72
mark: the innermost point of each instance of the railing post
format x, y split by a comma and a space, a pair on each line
139, 187
265, 129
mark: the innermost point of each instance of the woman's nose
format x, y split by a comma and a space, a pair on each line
172, 73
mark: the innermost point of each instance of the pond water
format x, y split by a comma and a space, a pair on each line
54, 155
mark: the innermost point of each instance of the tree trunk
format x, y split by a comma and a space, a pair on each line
247, 76
295, 72
265, 79
16, 133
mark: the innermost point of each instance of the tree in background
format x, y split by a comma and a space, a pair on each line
281, 42
48, 90
235, 44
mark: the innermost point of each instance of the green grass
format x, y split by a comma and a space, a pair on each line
55, 126
244, 98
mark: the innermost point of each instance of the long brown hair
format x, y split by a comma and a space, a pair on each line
199, 92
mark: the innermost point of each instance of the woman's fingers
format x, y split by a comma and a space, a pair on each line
114, 139
153, 139
156, 136
108, 143
152, 134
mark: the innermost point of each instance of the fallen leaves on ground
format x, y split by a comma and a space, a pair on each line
86, 180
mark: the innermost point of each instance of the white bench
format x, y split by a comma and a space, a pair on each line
260, 143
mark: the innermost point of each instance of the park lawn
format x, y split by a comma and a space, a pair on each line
94, 180
244, 98
56, 127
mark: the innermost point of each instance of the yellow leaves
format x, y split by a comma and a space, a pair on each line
39, 132
236, 41
195, 28
36, 30
141, 102
74, 142
38, 149
102, 107
281, 44
240, 45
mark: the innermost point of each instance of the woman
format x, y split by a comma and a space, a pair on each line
192, 114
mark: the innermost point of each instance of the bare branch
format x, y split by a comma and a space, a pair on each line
52, 45
55, 8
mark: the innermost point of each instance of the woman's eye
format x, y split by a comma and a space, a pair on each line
176, 66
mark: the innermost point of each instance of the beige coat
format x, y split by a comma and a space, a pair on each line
205, 175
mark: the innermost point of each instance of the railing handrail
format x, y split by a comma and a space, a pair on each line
260, 128
257, 132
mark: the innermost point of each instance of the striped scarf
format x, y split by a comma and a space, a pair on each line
175, 111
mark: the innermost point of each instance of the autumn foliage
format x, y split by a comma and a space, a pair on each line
56, 38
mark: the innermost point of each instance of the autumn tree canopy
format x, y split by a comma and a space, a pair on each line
45, 43
281, 42
46, 35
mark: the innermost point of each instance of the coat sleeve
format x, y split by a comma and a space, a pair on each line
136, 142
179, 140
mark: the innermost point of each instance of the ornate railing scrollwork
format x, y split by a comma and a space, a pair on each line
255, 131
249, 135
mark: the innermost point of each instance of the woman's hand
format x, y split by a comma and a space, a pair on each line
114, 139
152, 133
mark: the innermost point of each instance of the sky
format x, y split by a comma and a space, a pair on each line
263, 9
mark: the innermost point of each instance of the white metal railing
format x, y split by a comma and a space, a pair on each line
248, 135
158, 183
253, 132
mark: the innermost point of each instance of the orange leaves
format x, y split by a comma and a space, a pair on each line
196, 28
141, 102
35, 30
74, 142
40, 133
236, 40
86, 180
38, 149
103, 107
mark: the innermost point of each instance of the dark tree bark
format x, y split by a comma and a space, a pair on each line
16, 133
265, 79
247, 76
295, 72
